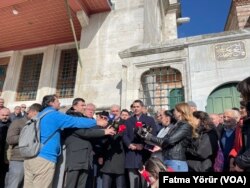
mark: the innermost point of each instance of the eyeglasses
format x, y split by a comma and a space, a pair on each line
23, 106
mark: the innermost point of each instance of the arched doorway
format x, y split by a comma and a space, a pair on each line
161, 88
223, 97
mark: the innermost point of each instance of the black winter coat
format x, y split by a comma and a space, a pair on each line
174, 144
79, 152
114, 156
202, 151
243, 158
135, 158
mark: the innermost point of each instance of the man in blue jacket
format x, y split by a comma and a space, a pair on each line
39, 171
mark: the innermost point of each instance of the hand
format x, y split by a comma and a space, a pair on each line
139, 146
141, 171
231, 165
238, 169
155, 149
132, 147
100, 161
102, 122
109, 131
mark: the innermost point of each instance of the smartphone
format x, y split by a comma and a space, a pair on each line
148, 147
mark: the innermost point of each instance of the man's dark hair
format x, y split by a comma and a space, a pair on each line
47, 99
36, 107
125, 110
138, 101
235, 108
76, 100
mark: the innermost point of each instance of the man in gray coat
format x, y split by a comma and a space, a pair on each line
14, 177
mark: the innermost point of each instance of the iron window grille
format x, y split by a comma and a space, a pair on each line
161, 88
67, 73
29, 78
3, 69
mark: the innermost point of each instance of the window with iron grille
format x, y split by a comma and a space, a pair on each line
3, 69
67, 73
161, 88
29, 78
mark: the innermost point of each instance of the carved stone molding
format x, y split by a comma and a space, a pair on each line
229, 51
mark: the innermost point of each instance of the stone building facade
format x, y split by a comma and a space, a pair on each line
205, 63
134, 52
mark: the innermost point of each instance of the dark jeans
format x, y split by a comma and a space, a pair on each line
76, 178
118, 178
94, 179
3, 169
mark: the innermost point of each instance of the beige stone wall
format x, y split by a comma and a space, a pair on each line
130, 23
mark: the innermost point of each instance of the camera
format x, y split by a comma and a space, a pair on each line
142, 129
114, 124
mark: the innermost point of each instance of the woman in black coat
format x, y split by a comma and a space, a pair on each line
179, 136
242, 161
202, 151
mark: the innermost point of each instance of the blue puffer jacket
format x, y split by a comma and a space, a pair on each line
54, 122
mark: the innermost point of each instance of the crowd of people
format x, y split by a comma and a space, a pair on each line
122, 148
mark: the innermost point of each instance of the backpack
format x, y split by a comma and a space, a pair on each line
29, 139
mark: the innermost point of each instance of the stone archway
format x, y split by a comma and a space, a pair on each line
161, 88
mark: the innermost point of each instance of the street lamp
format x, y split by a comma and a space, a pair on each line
183, 20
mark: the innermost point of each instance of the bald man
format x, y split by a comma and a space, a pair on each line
4, 125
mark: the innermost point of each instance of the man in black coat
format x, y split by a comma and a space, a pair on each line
4, 125
79, 149
135, 154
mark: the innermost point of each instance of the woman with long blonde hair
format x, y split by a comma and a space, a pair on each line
183, 112
176, 141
